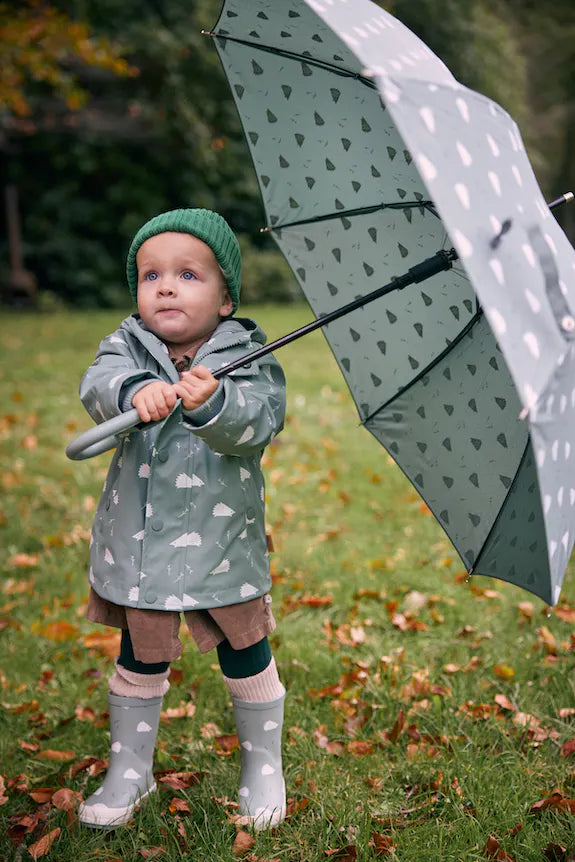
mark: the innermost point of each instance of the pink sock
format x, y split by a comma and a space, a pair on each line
261, 688
128, 683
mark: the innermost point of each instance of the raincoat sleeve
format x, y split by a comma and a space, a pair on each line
112, 380
246, 411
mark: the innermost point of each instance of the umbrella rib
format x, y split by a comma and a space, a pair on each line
460, 336
353, 212
293, 55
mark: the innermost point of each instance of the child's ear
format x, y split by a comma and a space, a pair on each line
227, 305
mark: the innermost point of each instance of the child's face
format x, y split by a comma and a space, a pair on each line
181, 289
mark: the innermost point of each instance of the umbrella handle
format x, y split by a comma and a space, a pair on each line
102, 437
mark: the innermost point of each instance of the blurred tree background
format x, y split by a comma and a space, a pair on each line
111, 112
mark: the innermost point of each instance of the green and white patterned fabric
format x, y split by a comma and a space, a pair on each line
371, 157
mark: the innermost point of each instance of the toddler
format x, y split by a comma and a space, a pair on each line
180, 526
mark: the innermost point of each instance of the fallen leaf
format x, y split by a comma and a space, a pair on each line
556, 801
66, 799
547, 640
383, 844
504, 702
41, 847
565, 613
568, 748
59, 631
344, 854
555, 852
243, 843
22, 561
525, 611
178, 804
180, 780
186, 709
504, 671
226, 744
42, 794
360, 748
106, 643
52, 754
494, 851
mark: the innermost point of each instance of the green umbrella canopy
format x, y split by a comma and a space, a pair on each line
371, 157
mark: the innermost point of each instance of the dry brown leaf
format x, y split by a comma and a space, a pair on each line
52, 754
503, 701
525, 611
59, 631
493, 850
226, 744
504, 671
565, 612
106, 643
556, 801
383, 844
556, 853
42, 794
66, 799
568, 748
243, 843
41, 847
360, 748
547, 640
186, 709
178, 804
22, 561
180, 780
343, 854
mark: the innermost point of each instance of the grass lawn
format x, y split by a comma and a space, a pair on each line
427, 718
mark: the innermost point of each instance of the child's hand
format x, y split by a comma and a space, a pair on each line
195, 387
155, 401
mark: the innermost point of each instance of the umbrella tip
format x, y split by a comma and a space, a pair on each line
564, 199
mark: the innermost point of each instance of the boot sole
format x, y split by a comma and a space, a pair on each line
110, 818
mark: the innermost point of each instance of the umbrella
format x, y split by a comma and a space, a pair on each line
371, 157
375, 165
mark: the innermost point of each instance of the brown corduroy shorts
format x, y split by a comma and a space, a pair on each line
154, 634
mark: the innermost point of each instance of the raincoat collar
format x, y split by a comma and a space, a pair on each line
229, 333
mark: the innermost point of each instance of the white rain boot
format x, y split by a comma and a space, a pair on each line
262, 793
134, 725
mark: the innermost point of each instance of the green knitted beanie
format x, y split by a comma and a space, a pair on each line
206, 225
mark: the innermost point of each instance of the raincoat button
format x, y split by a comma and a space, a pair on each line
151, 597
251, 513
163, 455
157, 525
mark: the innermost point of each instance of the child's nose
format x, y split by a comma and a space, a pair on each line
166, 287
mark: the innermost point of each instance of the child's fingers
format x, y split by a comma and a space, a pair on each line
200, 372
155, 401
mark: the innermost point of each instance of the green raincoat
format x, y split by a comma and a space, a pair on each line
180, 525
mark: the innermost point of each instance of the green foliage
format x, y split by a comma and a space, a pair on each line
89, 175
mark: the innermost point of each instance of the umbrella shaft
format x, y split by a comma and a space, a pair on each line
420, 272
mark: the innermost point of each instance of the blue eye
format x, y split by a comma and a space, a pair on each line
188, 275
151, 276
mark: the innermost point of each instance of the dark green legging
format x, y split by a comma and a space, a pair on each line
235, 663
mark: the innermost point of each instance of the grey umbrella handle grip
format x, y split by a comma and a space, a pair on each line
102, 437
